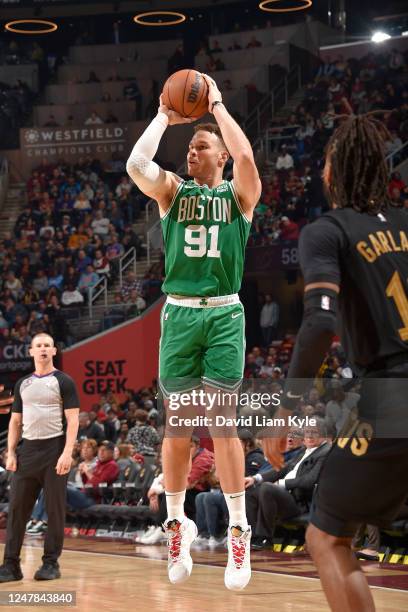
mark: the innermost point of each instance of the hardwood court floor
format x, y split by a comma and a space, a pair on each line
117, 576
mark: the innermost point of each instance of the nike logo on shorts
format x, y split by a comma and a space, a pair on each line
236, 314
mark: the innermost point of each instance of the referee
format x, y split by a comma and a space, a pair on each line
41, 400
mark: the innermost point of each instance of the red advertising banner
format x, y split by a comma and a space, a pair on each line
125, 357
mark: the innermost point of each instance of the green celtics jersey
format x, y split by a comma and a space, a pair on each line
205, 233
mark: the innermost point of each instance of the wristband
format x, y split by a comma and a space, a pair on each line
215, 104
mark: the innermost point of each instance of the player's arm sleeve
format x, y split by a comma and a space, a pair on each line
69, 393
17, 402
320, 247
142, 170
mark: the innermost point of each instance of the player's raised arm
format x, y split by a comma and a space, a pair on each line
246, 177
148, 176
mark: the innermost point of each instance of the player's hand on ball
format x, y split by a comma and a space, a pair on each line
214, 94
11, 463
174, 117
64, 464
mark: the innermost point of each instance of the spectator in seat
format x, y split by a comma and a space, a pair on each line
132, 92
269, 320
124, 187
88, 279
14, 285
202, 465
254, 43
211, 509
82, 203
101, 264
83, 261
143, 437
88, 458
51, 122
71, 296
111, 426
87, 429
136, 304
285, 160
286, 493
340, 407
289, 229
71, 277
115, 314
100, 224
105, 470
129, 284
93, 119
294, 445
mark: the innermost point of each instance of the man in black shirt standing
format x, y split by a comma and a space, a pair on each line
355, 262
42, 401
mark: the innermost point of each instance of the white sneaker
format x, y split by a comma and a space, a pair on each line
200, 542
153, 537
238, 570
214, 542
179, 536
38, 528
144, 534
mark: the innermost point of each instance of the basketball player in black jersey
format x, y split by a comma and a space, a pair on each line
355, 264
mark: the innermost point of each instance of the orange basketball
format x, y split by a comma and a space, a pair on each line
186, 92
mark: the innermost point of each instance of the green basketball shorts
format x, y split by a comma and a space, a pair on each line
202, 342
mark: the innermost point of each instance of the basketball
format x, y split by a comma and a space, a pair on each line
186, 92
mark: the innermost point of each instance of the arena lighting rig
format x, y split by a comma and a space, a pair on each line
177, 18
50, 26
266, 5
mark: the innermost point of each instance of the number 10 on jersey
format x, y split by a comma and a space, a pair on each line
195, 237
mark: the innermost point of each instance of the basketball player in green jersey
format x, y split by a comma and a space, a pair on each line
205, 223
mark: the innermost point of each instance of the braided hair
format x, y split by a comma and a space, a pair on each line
358, 169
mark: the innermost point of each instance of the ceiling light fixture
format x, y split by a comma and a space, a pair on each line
177, 18
50, 26
265, 5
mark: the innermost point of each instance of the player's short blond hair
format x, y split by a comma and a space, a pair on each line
213, 128
42, 334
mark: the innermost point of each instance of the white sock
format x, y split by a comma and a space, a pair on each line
236, 509
175, 505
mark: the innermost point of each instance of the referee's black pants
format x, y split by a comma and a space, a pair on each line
36, 462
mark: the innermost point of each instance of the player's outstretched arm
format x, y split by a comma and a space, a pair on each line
246, 177
319, 251
152, 180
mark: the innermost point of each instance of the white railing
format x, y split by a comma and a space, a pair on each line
128, 259
395, 158
101, 288
272, 102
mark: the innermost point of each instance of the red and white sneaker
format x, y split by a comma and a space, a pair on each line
179, 536
238, 570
